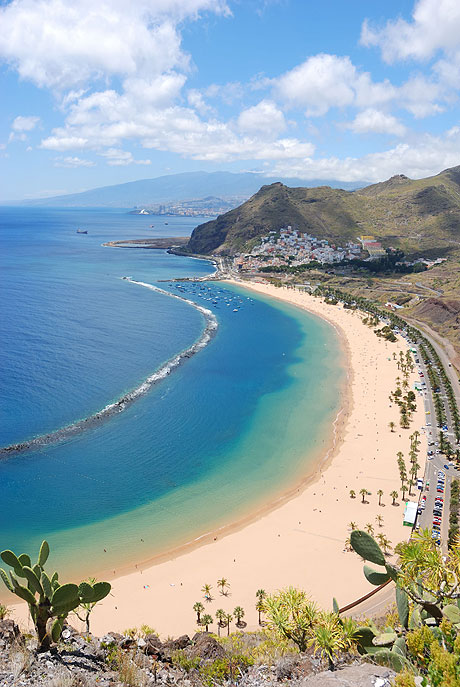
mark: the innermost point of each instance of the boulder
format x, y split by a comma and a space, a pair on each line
364, 675
179, 643
205, 646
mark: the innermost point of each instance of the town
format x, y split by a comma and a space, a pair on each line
291, 248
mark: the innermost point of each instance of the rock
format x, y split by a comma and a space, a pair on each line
9, 631
179, 643
112, 638
364, 675
152, 645
206, 647
285, 667
127, 643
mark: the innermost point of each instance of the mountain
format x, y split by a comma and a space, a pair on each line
173, 187
415, 215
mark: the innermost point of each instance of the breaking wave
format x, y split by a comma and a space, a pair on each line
131, 396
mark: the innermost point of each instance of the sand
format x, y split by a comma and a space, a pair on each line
299, 540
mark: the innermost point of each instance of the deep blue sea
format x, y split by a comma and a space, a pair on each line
234, 425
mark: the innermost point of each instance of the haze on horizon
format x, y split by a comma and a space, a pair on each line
95, 95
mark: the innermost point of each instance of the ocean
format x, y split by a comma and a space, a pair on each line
224, 432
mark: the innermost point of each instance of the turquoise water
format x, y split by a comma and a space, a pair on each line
230, 428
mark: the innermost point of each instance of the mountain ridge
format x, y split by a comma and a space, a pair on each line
167, 188
420, 214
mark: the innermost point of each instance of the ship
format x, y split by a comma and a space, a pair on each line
82, 231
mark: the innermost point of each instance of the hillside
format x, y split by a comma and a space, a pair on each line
420, 215
172, 187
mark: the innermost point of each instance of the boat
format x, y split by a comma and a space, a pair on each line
166, 223
82, 231
151, 226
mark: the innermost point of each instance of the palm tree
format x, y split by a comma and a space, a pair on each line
198, 608
394, 496
352, 525
379, 520
352, 494
404, 489
206, 620
229, 619
384, 542
369, 528
260, 608
206, 589
238, 614
220, 617
380, 494
224, 586
261, 594
348, 544
392, 426
363, 493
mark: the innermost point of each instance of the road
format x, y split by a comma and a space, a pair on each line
437, 462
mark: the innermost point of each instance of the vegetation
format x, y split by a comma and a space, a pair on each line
294, 616
426, 638
47, 599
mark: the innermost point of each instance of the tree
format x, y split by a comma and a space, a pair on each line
220, 617
379, 520
380, 494
392, 426
363, 493
394, 496
206, 621
292, 614
224, 586
198, 608
369, 528
229, 619
238, 613
86, 608
206, 589
261, 595
352, 525
352, 494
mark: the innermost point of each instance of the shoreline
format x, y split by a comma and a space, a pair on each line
202, 553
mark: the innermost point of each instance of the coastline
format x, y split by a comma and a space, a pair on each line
244, 550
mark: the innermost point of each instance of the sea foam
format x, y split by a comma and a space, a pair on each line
133, 395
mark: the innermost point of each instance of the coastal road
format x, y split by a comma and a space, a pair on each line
437, 462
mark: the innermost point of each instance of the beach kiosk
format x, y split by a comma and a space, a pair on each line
410, 513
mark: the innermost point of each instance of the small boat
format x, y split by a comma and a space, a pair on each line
166, 223
81, 231
151, 226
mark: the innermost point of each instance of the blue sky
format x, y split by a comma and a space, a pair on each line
102, 93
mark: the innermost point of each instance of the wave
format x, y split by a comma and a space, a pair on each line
131, 396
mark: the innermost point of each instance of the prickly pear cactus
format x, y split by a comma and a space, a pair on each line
48, 600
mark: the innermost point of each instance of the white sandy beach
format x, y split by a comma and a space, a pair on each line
301, 541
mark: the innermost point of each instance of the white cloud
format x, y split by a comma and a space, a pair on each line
425, 157
57, 44
72, 162
116, 157
264, 118
25, 123
376, 122
435, 26
324, 81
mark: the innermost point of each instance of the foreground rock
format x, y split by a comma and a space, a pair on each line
117, 660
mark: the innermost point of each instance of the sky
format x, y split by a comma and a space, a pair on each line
100, 93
